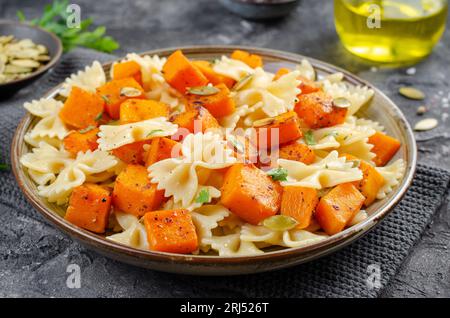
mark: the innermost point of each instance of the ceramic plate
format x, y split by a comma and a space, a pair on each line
381, 109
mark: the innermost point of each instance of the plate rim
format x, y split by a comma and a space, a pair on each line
333, 243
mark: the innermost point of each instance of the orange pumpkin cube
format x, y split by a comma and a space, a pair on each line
307, 86
171, 231
181, 74
282, 129
82, 141
82, 109
134, 193
250, 193
89, 207
219, 105
132, 153
338, 207
297, 152
299, 203
197, 119
316, 110
384, 147
371, 182
127, 69
251, 60
134, 110
162, 148
213, 77
114, 93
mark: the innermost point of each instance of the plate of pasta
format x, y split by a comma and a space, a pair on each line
214, 160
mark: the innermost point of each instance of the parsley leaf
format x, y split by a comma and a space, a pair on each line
203, 196
309, 138
278, 174
54, 19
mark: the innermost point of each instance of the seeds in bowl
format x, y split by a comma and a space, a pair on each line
20, 57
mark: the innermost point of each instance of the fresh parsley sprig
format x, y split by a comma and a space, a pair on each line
54, 20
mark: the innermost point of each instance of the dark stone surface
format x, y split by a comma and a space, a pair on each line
29, 268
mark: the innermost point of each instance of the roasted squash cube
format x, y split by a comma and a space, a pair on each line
134, 110
82, 109
299, 203
171, 231
127, 69
89, 207
181, 74
195, 120
282, 129
82, 141
134, 193
338, 207
162, 148
371, 182
219, 105
115, 93
132, 153
250, 193
297, 152
252, 60
213, 77
316, 110
384, 147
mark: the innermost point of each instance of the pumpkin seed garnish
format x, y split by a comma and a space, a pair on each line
203, 90
130, 92
154, 132
421, 110
99, 116
237, 144
87, 129
19, 58
105, 98
280, 222
426, 124
411, 93
242, 82
263, 122
355, 163
342, 102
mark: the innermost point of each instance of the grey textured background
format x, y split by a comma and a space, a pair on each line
36, 266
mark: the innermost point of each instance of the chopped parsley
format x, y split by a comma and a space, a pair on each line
278, 174
203, 196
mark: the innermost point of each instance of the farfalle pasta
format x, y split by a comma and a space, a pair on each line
210, 157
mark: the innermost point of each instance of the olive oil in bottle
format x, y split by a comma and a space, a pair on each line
392, 31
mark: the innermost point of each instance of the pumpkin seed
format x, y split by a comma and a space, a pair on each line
263, 122
426, 124
242, 82
130, 92
411, 93
280, 222
5, 39
355, 163
342, 102
18, 58
14, 69
41, 49
421, 110
43, 58
25, 63
203, 90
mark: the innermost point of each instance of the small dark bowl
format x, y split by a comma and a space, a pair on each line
260, 9
38, 36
